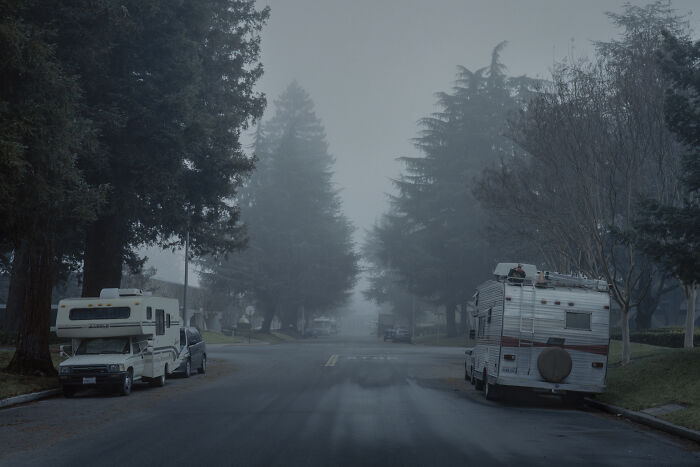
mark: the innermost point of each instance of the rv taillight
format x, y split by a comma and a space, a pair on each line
557, 302
597, 364
508, 298
509, 357
607, 307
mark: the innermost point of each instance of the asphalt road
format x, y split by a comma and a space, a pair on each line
324, 402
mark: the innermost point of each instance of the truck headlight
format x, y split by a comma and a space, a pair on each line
115, 368
65, 370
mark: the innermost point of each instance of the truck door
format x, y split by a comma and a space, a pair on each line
137, 350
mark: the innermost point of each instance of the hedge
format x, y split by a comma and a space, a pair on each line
663, 337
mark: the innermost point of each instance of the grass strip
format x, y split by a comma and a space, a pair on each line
15, 385
211, 337
668, 376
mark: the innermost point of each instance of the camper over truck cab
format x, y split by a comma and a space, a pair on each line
122, 336
541, 330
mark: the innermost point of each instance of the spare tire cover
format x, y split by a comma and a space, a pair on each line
554, 364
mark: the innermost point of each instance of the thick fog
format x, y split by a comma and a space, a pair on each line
372, 68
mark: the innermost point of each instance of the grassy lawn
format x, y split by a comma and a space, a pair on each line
14, 385
669, 376
211, 337
636, 351
443, 340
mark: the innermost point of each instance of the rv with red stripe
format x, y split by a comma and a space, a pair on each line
545, 331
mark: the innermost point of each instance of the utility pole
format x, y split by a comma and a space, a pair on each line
184, 297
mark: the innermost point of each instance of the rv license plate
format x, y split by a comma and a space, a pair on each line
91, 380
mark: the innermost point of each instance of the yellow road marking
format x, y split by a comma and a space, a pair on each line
331, 361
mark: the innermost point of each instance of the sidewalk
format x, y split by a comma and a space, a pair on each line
647, 419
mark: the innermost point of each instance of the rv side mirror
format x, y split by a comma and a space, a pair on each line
65, 350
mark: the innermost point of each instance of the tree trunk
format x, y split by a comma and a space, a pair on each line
11, 317
32, 355
450, 316
267, 321
691, 291
463, 318
625, 324
104, 256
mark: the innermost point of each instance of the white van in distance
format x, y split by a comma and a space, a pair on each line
120, 337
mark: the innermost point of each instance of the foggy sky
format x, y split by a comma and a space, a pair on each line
372, 68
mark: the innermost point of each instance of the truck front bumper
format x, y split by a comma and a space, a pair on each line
92, 379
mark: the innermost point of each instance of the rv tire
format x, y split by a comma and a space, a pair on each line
188, 368
125, 389
203, 369
158, 382
490, 391
478, 384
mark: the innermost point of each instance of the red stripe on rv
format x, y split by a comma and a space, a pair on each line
594, 349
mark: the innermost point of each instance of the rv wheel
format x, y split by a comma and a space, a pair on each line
126, 384
478, 384
188, 368
203, 369
490, 391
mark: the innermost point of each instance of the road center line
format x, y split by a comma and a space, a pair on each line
331, 361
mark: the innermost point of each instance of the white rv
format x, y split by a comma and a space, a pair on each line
120, 337
543, 331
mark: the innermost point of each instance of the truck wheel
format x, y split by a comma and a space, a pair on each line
490, 391
478, 384
188, 368
125, 389
68, 391
203, 369
158, 382
473, 378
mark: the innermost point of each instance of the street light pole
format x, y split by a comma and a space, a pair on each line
184, 297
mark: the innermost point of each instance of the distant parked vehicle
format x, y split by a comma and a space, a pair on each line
193, 352
388, 334
401, 335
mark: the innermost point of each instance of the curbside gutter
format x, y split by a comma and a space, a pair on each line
648, 420
10, 401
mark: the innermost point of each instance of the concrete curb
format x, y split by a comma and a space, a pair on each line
10, 401
648, 420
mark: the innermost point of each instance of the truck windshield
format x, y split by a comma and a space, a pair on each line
103, 346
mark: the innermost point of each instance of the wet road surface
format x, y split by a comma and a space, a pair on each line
323, 402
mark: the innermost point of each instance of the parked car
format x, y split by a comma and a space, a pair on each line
401, 335
193, 351
388, 334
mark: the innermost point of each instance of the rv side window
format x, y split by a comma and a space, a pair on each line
149, 313
160, 322
167, 320
117, 312
576, 320
137, 348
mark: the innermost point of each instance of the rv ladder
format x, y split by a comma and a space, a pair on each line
526, 336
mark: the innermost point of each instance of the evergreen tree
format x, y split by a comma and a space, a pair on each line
300, 254
435, 217
169, 86
671, 234
42, 195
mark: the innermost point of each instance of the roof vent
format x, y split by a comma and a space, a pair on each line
116, 293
